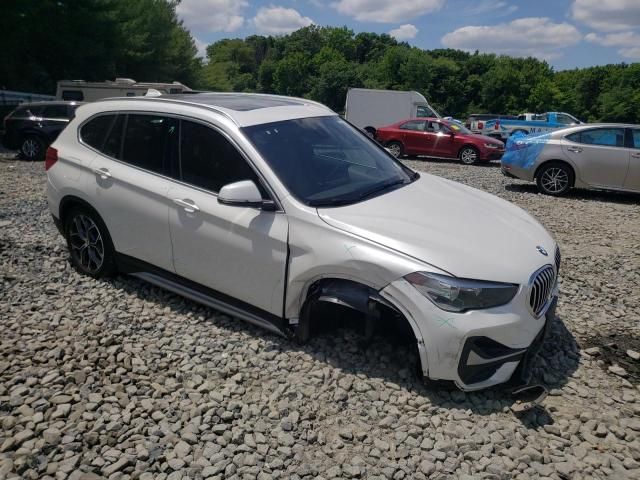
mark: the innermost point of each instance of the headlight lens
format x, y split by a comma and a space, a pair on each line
492, 145
459, 294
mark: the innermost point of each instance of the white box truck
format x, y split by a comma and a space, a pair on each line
370, 109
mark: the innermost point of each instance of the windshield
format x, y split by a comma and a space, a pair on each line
458, 128
324, 161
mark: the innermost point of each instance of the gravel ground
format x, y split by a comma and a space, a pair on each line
117, 379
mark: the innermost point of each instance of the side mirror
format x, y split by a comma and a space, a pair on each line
244, 193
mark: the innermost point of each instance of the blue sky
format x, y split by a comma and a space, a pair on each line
566, 33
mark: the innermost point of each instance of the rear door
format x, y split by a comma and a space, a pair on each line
632, 182
414, 137
130, 183
600, 155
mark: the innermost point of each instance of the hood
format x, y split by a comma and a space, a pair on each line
458, 229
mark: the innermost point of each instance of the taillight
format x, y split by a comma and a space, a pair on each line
480, 125
50, 158
497, 126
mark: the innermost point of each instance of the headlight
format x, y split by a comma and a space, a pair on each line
492, 145
459, 294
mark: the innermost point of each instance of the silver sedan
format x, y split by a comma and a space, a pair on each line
598, 156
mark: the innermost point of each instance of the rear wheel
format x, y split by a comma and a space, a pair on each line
370, 131
555, 179
468, 155
396, 149
32, 148
89, 243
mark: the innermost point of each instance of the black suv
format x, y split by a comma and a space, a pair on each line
32, 127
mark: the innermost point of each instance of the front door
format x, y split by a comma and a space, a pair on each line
600, 155
237, 251
443, 141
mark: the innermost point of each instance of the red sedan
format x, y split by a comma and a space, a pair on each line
434, 137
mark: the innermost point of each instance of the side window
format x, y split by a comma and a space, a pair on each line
575, 137
635, 134
541, 118
416, 125
76, 95
565, 119
149, 141
208, 160
113, 144
55, 111
610, 137
95, 130
21, 112
423, 112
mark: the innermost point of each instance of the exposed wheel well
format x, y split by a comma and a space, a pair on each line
333, 303
566, 164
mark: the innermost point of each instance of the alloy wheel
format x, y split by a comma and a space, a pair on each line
555, 180
30, 148
87, 246
395, 150
468, 156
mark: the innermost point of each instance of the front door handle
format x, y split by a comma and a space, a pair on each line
575, 149
636, 155
188, 205
103, 173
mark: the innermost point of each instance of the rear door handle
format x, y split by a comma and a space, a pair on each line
188, 205
103, 173
575, 149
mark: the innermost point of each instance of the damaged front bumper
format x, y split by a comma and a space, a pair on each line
475, 349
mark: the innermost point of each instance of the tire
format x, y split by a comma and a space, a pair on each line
370, 131
90, 248
468, 155
32, 148
396, 149
555, 179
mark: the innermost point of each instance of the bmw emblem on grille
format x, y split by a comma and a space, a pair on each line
542, 251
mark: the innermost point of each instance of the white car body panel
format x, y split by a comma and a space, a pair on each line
431, 225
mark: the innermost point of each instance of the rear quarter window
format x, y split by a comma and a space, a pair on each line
94, 132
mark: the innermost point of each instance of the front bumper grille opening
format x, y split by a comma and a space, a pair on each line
541, 288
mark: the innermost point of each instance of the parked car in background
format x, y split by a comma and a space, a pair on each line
369, 109
83, 91
32, 127
600, 156
476, 121
527, 123
435, 137
273, 209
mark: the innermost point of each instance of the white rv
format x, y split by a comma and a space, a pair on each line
82, 91
370, 109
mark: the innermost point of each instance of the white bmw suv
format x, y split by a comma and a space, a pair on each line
267, 207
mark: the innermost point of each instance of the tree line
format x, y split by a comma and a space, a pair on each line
49, 40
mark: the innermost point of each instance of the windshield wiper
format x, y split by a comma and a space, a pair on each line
381, 187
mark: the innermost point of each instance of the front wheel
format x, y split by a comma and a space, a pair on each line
89, 243
32, 148
468, 155
554, 179
396, 149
